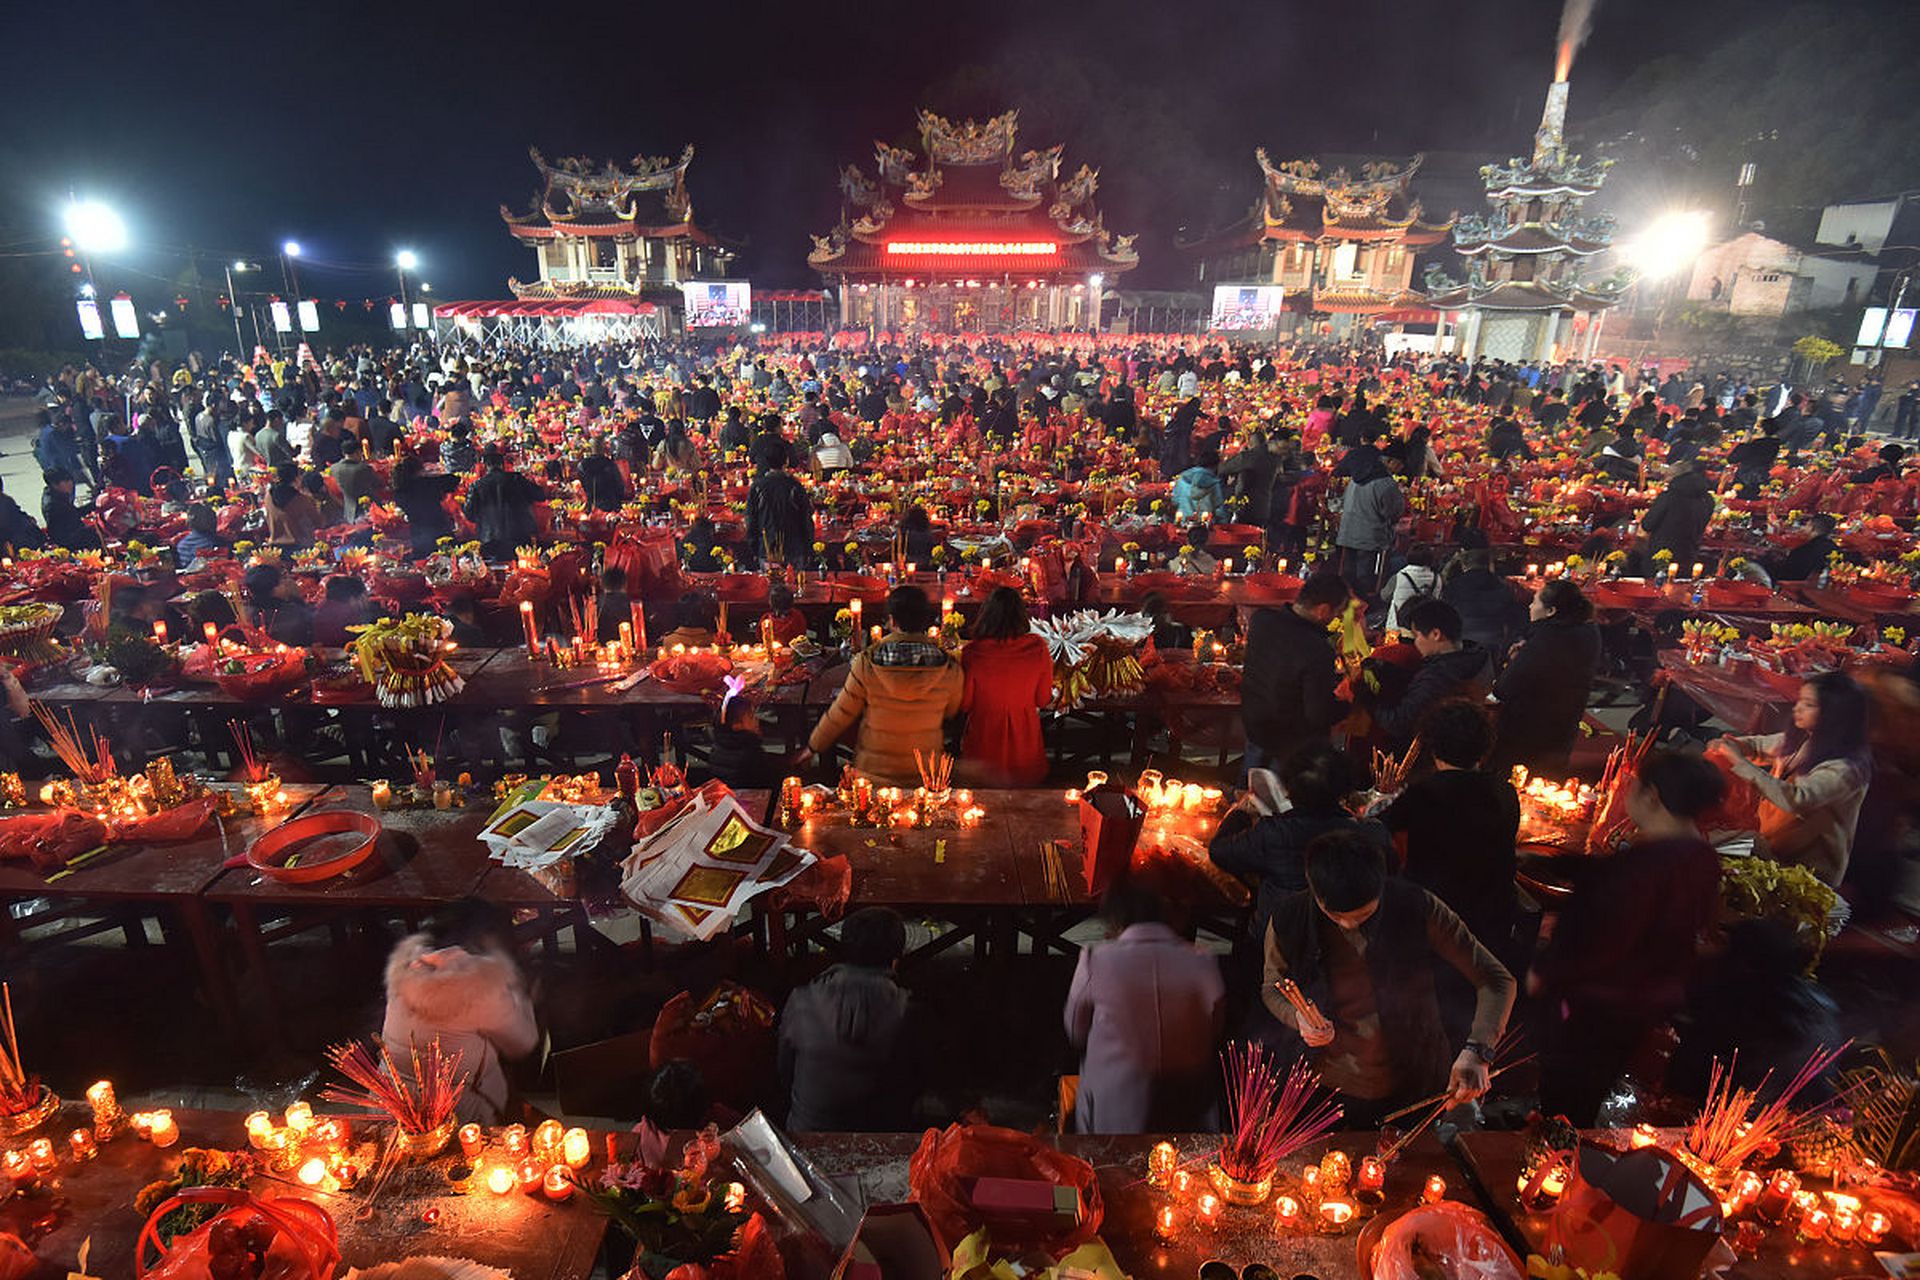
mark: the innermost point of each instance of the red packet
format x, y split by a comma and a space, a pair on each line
1110, 820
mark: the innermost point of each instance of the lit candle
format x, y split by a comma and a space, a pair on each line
1336, 1169
159, 630
313, 1172
856, 608
736, 1200
1435, 1191
100, 1096
259, 1125
1533, 571
1373, 1174
576, 1148
514, 1139
81, 1146
1813, 1227
382, 793
528, 1174
1746, 1190
1286, 1213
15, 1165
1182, 1183
1335, 1214
1699, 569
533, 632
1781, 1189
1644, 1136
500, 1179
1310, 1177
1166, 1224
40, 1155
1120, 565
1072, 795
1161, 1162
547, 1139
1843, 1226
559, 1183
472, 1140
946, 607
212, 632
1096, 778
300, 1118
1207, 1207
164, 1132
1874, 1226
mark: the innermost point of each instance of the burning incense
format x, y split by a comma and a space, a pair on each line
249, 758
1270, 1117
65, 739
420, 1099
1732, 1127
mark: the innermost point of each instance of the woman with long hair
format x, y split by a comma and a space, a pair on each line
292, 514
1543, 691
1812, 778
1009, 678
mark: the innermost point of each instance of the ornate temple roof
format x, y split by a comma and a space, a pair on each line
1301, 202
648, 197
1513, 295
969, 205
1580, 236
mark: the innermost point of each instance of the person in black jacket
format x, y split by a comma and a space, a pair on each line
1450, 667
1678, 518
1490, 612
779, 513
1810, 557
422, 498
1459, 824
500, 504
1543, 691
1287, 696
66, 527
600, 479
1272, 847
1505, 439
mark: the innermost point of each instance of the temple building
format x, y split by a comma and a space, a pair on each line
1526, 295
613, 246
968, 237
1340, 245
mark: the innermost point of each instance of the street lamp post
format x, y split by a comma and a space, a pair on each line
233, 305
1096, 284
403, 262
290, 276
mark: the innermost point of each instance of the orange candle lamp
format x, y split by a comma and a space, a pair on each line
1373, 1174
1287, 1213
1335, 1214
1162, 1161
1434, 1191
501, 1180
1208, 1209
473, 1140
558, 1183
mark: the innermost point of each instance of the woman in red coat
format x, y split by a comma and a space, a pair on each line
1009, 678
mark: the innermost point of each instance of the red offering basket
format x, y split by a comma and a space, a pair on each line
1734, 595
259, 675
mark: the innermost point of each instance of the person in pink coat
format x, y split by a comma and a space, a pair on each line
1146, 1010
458, 981
1009, 678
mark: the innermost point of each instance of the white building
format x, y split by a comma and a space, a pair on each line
1756, 275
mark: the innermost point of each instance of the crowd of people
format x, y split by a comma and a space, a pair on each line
1393, 912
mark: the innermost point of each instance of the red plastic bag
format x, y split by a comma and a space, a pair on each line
182, 822
948, 1160
49, 840
729, 1036
280, 1238
825, 886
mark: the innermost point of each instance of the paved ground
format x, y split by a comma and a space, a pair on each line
18, 471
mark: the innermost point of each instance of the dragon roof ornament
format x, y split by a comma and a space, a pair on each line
970, 141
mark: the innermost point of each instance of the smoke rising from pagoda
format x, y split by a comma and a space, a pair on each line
1576, 20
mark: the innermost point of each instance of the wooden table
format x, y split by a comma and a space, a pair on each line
877, 1163
1730, 693
163, 880
532, 1238
967, 878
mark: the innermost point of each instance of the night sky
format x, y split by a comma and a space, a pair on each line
361, 128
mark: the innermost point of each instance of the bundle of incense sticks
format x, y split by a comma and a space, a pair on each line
420, 1099
249, 758
1734, 1126
1610, 818
18, 1090
1270, 1116
1390, 773
1306, 1010
1054, 872
936, 771
65, 739
586, 617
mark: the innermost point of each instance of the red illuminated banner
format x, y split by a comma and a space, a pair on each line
971, 248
